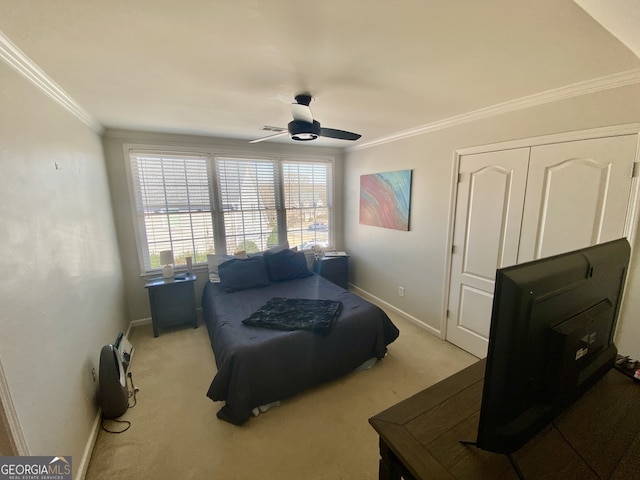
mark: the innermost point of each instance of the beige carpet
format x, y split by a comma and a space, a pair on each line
322, 433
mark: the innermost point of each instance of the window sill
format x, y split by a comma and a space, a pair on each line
202, 268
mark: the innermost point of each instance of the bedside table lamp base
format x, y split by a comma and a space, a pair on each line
167, 271
166, 259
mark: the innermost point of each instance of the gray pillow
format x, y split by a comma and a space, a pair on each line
242, 273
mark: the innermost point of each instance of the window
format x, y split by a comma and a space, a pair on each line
247, 204
194, 204
308, 202
173, 206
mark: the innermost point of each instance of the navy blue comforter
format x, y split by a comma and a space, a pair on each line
257, 366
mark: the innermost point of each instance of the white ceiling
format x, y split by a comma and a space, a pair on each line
227, 67
620, 17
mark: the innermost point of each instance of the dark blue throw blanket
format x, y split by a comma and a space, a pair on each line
296, 314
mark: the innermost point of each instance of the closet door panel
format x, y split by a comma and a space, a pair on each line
489, 204
577, 195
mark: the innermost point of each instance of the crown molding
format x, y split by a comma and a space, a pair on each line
16, 59
617, 80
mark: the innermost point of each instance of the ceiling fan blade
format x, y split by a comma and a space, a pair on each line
301, 113
269, 137
339, 134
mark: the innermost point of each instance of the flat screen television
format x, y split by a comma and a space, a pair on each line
551, 338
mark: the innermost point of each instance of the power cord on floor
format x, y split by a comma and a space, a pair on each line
132, 393
125, 422
134, 390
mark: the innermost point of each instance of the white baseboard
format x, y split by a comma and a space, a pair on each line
387, 306
146, 321
81, 470
14, 428
137, 323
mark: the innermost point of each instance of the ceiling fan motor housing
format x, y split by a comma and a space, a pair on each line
304, 131
304, 99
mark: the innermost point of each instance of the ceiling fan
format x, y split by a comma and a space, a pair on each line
304, 128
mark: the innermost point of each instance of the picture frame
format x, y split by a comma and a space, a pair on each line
385, 199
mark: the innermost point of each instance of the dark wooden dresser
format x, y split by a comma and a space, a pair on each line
598, 437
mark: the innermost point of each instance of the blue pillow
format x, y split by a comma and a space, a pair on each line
242, 273
286, 265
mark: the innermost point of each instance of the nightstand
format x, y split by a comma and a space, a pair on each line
335, 269
172, 301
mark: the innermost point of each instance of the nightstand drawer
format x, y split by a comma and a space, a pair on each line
172, 302
171, 295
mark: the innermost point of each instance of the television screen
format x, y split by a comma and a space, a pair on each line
551, 338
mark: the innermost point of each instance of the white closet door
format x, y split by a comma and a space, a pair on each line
577, 195
489, 205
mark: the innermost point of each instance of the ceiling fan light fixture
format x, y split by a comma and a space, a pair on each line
304, 137
304, 128
304, 131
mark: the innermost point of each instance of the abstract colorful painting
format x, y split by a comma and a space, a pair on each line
385, 199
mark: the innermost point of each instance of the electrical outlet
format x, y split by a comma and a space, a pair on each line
401, 291
93, 375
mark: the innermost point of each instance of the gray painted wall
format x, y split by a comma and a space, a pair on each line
62, 291
384, 259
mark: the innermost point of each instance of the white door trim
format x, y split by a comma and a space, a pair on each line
16, 440
601, 132
631, 225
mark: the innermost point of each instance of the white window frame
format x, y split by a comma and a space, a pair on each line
330, 199
223, 207
139, 216
211, 154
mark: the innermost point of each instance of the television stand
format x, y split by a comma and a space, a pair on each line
514, 464
419, 437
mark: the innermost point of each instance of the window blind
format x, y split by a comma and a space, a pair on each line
308, 201
173, 206
248, 192
196, 204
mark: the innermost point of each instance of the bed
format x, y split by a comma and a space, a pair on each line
258, 366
